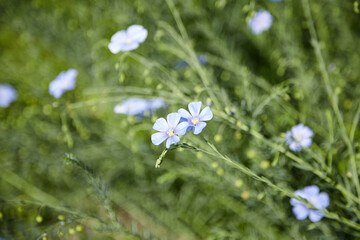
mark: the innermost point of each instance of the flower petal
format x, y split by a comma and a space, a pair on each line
300, 211
119, 109
115, 47
119, 36
315, 215
172, 140
129, 46
294, 202
288, 138
206, 114
181, 128
311, 191
194, 108
158, 138
306, 142
295, 146
324, 200
199, 127
307, 132
160, 125
184, 114
137, 33
173, 119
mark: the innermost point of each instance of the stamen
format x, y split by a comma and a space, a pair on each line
171, 133
195, 121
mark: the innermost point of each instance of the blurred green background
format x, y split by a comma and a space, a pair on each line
268, 82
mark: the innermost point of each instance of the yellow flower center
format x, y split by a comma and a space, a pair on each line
171, 133
129, 40
195, 121
298, 139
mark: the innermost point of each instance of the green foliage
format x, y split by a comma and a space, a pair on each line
72, 169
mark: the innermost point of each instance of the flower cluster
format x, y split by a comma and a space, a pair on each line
318, 200
64, 82
260, 22
7, 95
179, 123
138, 106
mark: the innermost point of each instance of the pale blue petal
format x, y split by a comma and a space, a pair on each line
7, 95
307, 132
199, 127
173, 119
294, 202
206, 114
181, 128
311, 191
324, 200
194, 108
260, 22
294, 146
115, 47
300, 211
119, 36
132, 107
161, 125
129, 46
156, 103
119, 109
184, 114
306, 142
288, 138
172, 140
158, 138
301, 193
315, 215
297, 130
137, 33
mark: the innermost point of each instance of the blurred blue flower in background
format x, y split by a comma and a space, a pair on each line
132, 107
138, 106
155, 103
195, 118
182, 64
7, 95
312, 194
260, 22
127, 40
299, 137
64, 82
169, 130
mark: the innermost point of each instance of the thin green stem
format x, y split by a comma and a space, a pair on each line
331, 95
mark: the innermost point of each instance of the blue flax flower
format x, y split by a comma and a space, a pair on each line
138, 106
127, 40
196, 118
132, 107
155, 104
312, 194
169, 130
260, 22
7, 95
64, 82
299, 137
